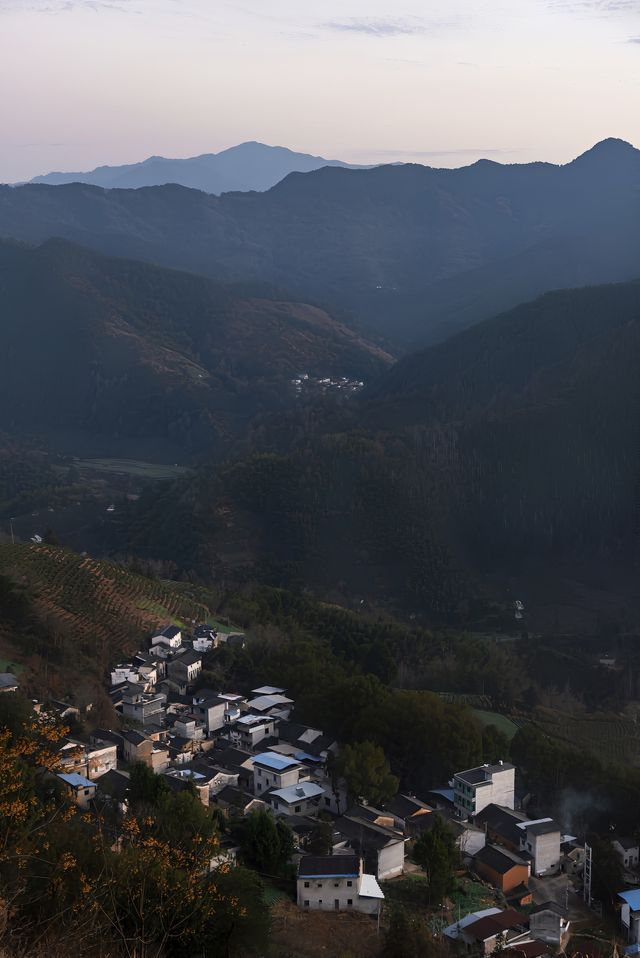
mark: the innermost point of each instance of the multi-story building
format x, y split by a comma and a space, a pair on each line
476, 788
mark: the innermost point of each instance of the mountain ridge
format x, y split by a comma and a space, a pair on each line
413, 252
248, 166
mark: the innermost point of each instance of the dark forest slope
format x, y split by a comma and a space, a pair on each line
511, 452
99, 353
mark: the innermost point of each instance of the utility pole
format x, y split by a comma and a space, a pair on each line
586, 892
13, 541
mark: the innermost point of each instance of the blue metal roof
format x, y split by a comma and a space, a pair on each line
75, 780
631, 897
275, 761
632, 950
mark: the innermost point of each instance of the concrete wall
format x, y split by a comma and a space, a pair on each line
264, 778
334, 894
546, 926
390, 861
546, 852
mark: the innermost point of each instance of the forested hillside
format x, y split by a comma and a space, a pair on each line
413, 251
105, 354
506, 458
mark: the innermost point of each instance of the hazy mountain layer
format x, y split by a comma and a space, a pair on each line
248, 166
414, 252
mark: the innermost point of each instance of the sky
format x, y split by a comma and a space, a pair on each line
443, 82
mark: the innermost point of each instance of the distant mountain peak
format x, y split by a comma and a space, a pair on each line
609, 149
246, 167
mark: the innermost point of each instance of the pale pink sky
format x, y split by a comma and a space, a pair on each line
86, 82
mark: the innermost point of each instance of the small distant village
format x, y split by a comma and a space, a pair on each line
304, 384
241, 752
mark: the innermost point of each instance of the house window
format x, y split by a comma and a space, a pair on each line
259, 773
306, 903
306, 884
349, 884
259, 787
319, 885
327, 801
336, 884
350, 902
297, 808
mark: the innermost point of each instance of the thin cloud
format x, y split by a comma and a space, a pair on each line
494, 151
65, 6
633, 40
602, 8
378, 28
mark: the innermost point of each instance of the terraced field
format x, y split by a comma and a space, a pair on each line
613, 738
104, 609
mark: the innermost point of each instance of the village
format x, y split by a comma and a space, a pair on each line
241, 752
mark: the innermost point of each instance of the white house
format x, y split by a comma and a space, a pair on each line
79, 788
273, 771
628, 851
381, 848
124, 673
476, 788
630, 914
541, 838
336, 883
249, 730
102, 757
170, 638
300, 799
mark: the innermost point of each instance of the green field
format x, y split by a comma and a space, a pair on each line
6, 665
131, 467
501, 722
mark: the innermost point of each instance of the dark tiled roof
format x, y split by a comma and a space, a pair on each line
136, 738
114, 783
543, 828
492, 925
318, 866
233, 796
403, 806
170, 632
502, 821
366, 835
497, 859
627, 843
550, 906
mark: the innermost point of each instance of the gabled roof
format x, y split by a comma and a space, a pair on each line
626, 843
75, 780
363, 834
278, 763
546, 827
329, 866
503, 821
404, 806
170, 632
298, 793
493, 925
500, 860
265, 702
190, 657
114, 783
267, 690
550, 906
8, 680
134, 737
631, 897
